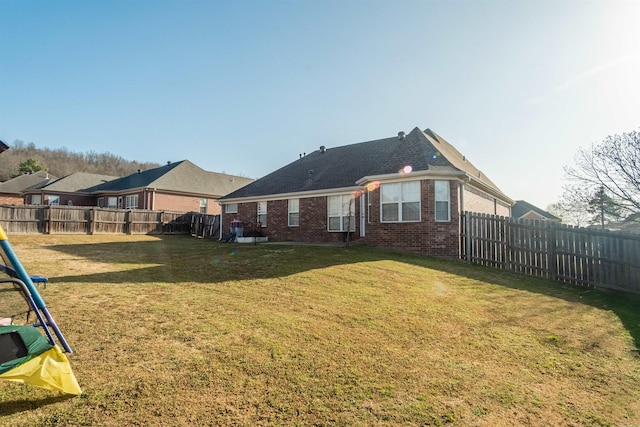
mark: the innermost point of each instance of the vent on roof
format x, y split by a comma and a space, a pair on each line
322, 149
139, 171
401, 135
168, 162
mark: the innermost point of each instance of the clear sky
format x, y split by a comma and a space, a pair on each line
244, 87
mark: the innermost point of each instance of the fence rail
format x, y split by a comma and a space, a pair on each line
21, 219
582, 256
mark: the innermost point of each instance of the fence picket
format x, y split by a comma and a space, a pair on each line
581, 256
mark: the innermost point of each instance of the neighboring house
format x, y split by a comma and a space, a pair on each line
525, 210
179, 186
70, 190
11, 190
404, 192
3, 147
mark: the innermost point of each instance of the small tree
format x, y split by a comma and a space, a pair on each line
30, 165
603, 208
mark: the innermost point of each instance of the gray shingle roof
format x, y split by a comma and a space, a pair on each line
77, 182
19, 183
521, 208
183, 176
342, 167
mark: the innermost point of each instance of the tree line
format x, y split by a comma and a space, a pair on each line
24, 157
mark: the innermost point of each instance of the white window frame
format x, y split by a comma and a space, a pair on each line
405, 195
203, 206
120, 202
131, 201
262, 213
442, 195
293, 213
231, 208
53, 200
343, 207
36, 199
112, 202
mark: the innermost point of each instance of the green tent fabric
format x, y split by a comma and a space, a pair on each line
34, 344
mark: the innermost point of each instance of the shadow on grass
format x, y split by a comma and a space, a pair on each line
178, 259
15, 406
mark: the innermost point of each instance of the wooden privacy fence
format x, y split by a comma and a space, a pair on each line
92, 220
583, 256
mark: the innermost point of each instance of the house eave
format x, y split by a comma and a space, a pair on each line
293, 195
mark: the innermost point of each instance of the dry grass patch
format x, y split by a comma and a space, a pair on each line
202, 333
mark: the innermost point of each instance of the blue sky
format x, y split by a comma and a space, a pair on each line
244, 87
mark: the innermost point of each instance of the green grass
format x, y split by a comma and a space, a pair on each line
188, 332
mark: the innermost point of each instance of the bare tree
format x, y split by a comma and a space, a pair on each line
614, 166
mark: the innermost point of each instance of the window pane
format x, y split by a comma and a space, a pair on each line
349, 223
231, 208
390, 193
334, 206
390, 212
294, 219
442, 191
334, 223
294, 205
348, 205
411, 191
442, 211
411, 211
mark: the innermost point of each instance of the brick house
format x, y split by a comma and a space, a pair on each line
180, 186
404, 192
70, 190
11, 191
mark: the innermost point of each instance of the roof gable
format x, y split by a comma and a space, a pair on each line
521, 208
343, 167
18, 184
181, 176
78, 182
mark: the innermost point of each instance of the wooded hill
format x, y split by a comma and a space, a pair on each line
62, 162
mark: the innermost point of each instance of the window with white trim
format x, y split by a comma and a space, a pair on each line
120, 202
54, 200
400, 202
101, 202
203, 206
36, 199
112, 202
294, 212
341, 212
262, 213
443, 201
231, 208
131, 201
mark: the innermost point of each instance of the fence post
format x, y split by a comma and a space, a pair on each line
467, 234
551, 251
49, 220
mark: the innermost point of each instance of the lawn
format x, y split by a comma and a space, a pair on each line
182, 331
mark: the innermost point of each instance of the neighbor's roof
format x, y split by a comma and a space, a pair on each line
19, 183
183, 176
78, 182
343, 167
521, 208
3, 147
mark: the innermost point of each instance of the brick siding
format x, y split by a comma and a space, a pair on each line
427, 236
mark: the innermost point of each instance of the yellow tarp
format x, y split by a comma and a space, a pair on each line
50, 370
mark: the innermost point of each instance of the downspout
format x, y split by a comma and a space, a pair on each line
221, 213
